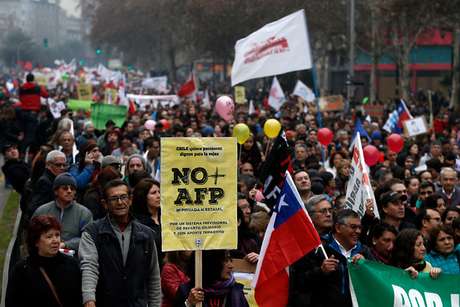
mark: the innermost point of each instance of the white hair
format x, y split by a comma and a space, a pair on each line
53, 154
445, 170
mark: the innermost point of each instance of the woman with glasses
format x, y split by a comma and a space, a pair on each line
443, 254
46, 277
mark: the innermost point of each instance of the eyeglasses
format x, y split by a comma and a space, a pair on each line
60, 165
354, 227
116, 199
324, 211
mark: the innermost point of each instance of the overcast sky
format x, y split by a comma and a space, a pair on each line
70, 7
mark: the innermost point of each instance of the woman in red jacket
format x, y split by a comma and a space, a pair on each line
175, 272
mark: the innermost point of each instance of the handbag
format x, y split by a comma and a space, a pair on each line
50, 284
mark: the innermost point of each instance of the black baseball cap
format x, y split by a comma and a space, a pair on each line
391, 197
7, 146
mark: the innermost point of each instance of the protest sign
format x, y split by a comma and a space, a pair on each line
415, 126
76, 105
198, 193
331, 103
154, 100
378, 285
157, 83
101, 113
56, 107
85, 91
111, 95
240, 94
359, 190
277, 48
374, 110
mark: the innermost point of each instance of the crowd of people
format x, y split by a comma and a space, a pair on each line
91, 203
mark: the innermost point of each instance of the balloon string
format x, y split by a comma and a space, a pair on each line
267, 148
239, 155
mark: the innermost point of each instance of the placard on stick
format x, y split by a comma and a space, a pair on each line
415, 126
198, 193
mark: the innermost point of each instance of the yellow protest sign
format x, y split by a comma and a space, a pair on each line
110, 96
85, 91
198, 193
240, 94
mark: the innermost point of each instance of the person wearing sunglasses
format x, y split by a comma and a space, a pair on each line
42, 191
72, 216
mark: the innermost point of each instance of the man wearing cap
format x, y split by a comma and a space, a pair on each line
393, 209
15, 170
42, 191
111, 161
73, 216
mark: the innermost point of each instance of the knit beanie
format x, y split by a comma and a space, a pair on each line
64, 179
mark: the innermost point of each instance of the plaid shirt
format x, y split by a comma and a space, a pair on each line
449, 264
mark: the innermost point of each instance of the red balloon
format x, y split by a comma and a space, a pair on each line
325, 136
371, 155
165, 123
395, 142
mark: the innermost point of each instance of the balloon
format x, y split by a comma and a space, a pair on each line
150, 124
371, 155
325, 136
165, 123
225, 107
241, 132
395, 142
272, 128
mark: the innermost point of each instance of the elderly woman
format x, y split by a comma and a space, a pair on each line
47, 277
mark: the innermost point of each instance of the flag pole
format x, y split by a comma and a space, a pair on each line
323, 251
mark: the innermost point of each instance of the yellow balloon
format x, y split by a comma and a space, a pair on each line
241, 132
272, 128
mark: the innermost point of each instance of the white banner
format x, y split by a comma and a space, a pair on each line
157, 83
277, 48
164, 100
359, 189
276, 97
303, 92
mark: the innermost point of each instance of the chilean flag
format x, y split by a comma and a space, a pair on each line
289, 236
188, 88
394, 124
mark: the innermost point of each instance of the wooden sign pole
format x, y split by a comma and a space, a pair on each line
198, 271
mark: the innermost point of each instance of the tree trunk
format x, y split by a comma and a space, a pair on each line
454, 98
405, 48
375, 57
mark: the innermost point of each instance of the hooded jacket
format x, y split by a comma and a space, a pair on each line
29, 95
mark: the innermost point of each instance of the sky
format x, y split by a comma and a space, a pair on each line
70, 7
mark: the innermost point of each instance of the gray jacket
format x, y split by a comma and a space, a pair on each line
73, 219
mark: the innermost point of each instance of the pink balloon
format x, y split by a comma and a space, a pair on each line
225, 108
371, 155
325, 136
395, 142
150, 124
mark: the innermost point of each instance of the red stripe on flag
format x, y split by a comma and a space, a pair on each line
288, 243
273, 293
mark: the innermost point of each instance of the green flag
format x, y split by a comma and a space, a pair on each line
75, 105
101, 113
378, 285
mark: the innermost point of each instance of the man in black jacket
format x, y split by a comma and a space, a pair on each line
43, 190
16, 171
118, 256
319, 282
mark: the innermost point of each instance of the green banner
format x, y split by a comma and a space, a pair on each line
378, 285
101, 113
76, 105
